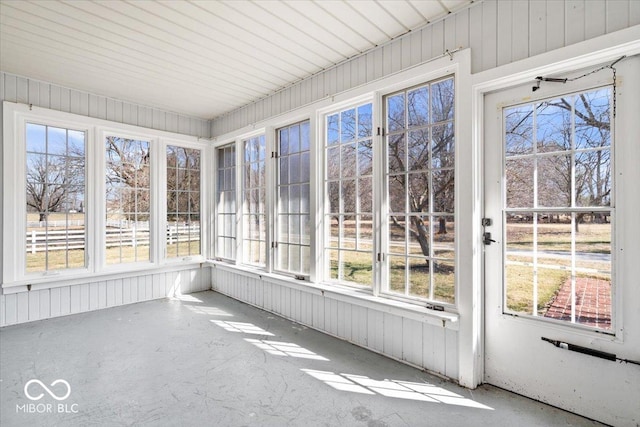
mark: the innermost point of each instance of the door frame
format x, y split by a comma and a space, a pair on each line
603, 49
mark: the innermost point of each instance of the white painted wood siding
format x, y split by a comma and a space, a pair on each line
497, 31
41, 94
60, 301
427, 345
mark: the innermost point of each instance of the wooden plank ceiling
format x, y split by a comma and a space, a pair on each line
201, 58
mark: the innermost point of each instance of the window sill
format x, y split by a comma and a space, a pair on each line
62, 279
362, 298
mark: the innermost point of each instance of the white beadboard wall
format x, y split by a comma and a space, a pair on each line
497, 31
61, 301
46, 95
423, 344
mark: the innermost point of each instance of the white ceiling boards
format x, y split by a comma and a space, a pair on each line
200, 58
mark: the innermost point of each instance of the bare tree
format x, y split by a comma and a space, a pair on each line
53, 184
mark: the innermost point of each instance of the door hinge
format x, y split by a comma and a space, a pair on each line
274, 245
274, 154
380, 257
381, 132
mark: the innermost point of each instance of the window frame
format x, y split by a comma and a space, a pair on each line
214, 201
457, 67
204, 185
15, 117
383, 207
243, 257
153, 190
276, 211
324, 243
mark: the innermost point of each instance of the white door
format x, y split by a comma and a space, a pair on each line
558, 210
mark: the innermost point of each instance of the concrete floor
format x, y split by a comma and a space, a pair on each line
210, 360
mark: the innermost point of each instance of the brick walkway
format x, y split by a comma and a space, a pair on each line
593, 303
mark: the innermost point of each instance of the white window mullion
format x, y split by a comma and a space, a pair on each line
271, 208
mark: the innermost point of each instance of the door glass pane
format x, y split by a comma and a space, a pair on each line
558, 262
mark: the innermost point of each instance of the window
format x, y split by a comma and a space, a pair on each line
254, 232
183, 201
348, 153
128, 200
558, 208
293, 231
419, 178
55, 198
226, 200
83, 199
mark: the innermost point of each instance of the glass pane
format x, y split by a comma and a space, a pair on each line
554, 240
365, 157
333, 129
348, 126
364, 121
419, 277
294, 168
348, 160
397, 277
56, 141
305, 230
518, 123
554, 181
519, 285
335, 264
294, 258
397, 235
283, 138
443, 191
419, 242
365, 232
442, 100
335, 226
349, 232
519, 185
36, 138
305, 198
76, 143
283, 257
294, 229
284, 170
365, 195
418, 150
395, 112
304, 136
397, 195
444, 281
333, 163
419, 192
294, 199
396, 152
553, 131
593, 178
443, 150
305, 169
334, 196
294, 139
443, 237
349, 195
418, 106
593, 119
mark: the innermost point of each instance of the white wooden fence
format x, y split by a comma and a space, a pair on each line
59, 240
